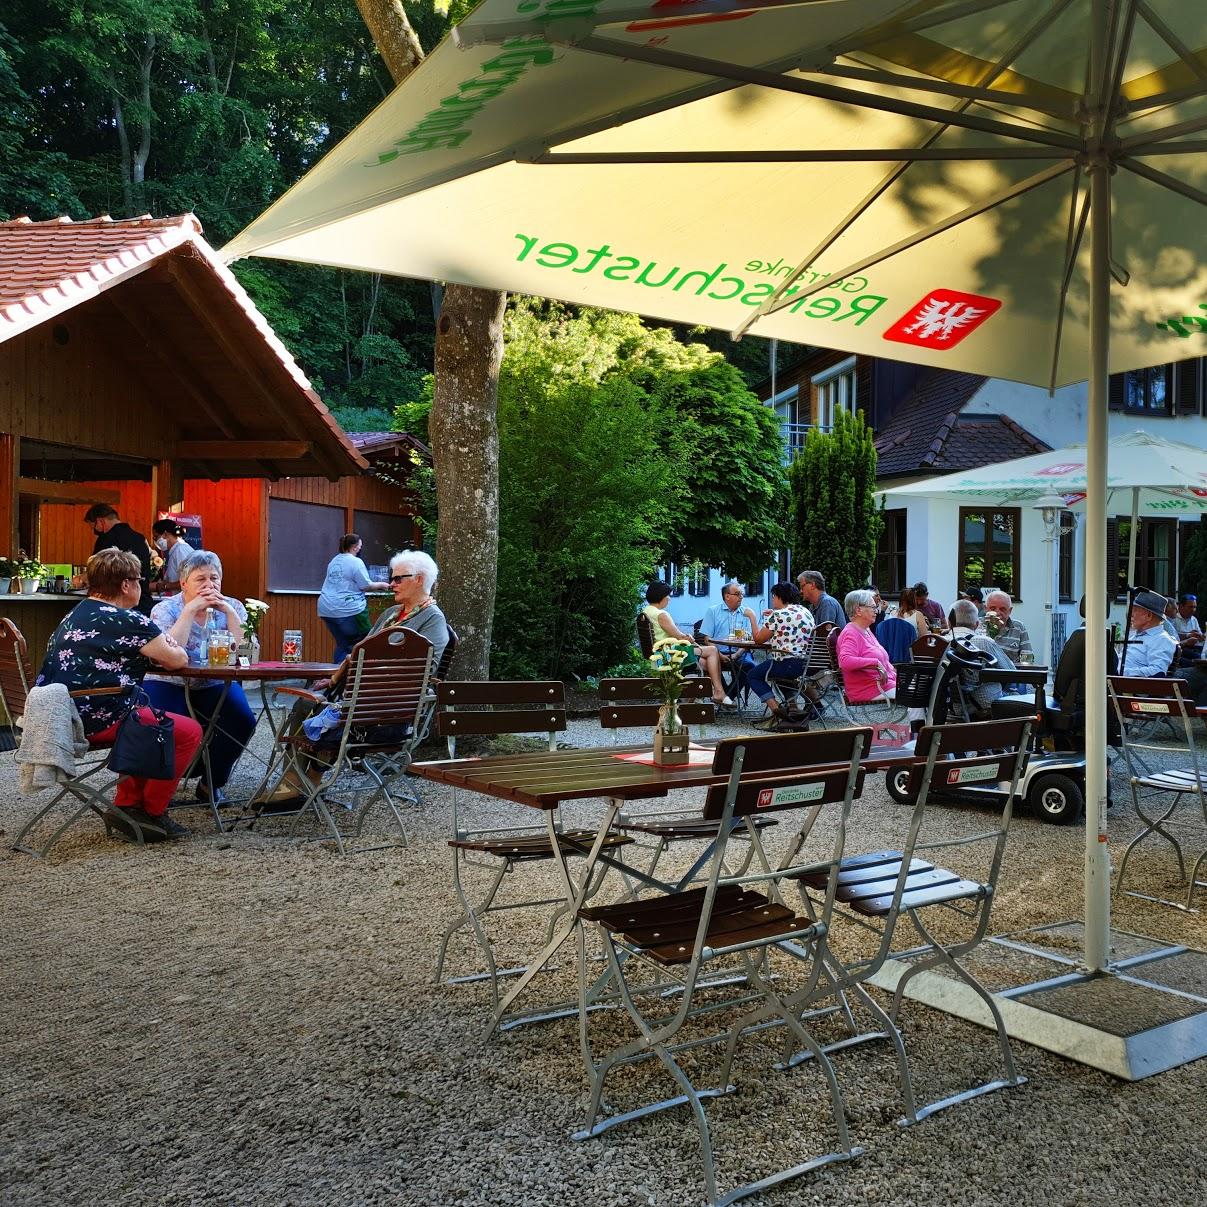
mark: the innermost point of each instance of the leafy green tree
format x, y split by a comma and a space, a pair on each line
735, 501
582, 508
836, 524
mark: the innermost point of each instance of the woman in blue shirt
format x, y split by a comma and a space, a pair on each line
183, 616
342, 603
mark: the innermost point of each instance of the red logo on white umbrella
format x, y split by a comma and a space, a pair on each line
942, 319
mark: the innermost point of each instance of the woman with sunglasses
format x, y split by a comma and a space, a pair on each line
412, 576
343, 607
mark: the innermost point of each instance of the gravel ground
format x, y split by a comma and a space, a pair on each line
251, 1019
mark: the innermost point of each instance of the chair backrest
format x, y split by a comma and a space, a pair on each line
388, 679
16, 673
496, 707
645, 635
897, 635
928, 648
950, 757
819, 648
446, 658
788, 771
832, 650
630, 702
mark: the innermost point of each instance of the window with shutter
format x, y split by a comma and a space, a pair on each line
1149, 391
1188, 387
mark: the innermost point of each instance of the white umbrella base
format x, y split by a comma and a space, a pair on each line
1147, 1015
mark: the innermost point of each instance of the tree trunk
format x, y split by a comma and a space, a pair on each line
463, 426
465, 451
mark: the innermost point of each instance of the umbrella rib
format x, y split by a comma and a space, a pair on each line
1077, 223
828, 155
1125, 45
1189, 147
697, 65
937, 228
1138, 144
773, 302
1172, 40
1170, 182
894, 79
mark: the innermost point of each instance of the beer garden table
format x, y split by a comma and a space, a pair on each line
259, 672
548, 779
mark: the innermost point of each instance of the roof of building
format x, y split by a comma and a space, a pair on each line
188, 328
370, 444
930, 431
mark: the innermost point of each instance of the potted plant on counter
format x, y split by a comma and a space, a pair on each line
31, 572
6, 575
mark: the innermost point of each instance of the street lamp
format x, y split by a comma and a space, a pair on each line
1050, 508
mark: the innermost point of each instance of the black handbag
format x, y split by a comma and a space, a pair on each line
147, 751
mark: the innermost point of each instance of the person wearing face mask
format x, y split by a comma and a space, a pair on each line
169, 540
113, 533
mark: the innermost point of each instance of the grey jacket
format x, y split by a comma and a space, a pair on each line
52, 738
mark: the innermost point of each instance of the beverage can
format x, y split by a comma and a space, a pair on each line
291, 646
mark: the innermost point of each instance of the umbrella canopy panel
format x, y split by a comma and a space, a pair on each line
1170, 476
701, 163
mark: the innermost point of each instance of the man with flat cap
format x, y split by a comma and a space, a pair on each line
1150, 648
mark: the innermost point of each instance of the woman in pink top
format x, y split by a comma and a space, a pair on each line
867, 673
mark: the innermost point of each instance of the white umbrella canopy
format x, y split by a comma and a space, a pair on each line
949, 182
1167, 474
613, 154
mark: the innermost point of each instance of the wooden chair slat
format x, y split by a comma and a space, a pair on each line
626, 716
532, 720
550, 693
695, 687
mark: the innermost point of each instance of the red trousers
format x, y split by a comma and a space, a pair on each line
155, 795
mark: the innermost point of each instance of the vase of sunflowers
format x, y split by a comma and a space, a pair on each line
671, 740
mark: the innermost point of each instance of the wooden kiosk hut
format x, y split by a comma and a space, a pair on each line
135, 370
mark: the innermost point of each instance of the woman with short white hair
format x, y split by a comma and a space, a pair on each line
867, 673
412, 576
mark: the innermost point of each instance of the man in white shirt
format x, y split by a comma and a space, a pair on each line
1186, 624
1150, 649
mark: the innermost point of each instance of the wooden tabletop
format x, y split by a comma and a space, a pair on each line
546, 778
260, 671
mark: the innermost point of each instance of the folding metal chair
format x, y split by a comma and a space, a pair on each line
494, 708
930, 647
364, 762
683, 935
1136, 703
881, 887
619, 709
817, 686
88, 791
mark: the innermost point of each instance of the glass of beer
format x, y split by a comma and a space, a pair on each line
220, 648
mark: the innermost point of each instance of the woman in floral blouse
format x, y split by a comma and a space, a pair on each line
787, 628
104, 642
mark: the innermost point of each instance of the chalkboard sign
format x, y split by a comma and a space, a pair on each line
302, 539
383, 535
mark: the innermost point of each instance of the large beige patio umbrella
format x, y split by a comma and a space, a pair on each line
950, 182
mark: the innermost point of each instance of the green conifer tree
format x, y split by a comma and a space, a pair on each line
836, 523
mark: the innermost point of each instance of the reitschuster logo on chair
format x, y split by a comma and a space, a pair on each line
795, 795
